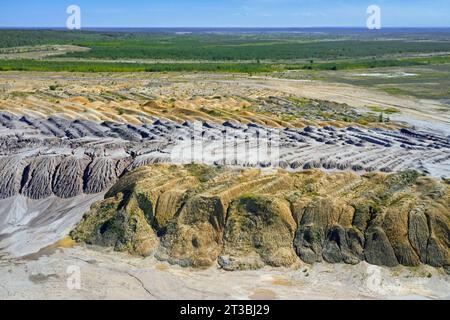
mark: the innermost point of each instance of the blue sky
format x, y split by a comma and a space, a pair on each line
225, 13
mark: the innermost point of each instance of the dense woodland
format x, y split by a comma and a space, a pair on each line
227, 52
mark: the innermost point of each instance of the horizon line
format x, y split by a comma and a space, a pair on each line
233, 27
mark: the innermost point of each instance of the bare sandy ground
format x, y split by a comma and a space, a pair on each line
108, 275
28, 225
39, 52
427, 113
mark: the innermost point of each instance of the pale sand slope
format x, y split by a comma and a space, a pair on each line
28, 225
116, 276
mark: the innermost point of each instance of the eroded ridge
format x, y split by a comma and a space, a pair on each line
197, 215
40, 157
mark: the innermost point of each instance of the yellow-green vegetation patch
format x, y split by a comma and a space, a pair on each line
395, 91
390, 110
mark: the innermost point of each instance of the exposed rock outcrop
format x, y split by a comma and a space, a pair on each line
38, 176
194, 236
69, 176
259, 231
11, 174
196, 215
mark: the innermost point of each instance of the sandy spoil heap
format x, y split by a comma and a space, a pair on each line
197, 215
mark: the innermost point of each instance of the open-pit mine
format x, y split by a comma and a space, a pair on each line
182, 178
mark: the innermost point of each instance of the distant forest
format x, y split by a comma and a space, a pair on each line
247, 53
227, 47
